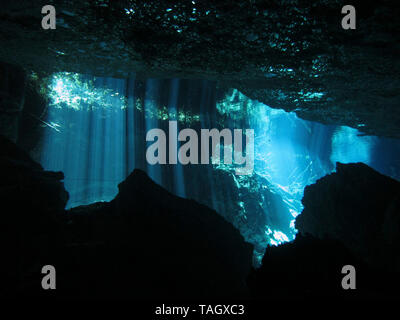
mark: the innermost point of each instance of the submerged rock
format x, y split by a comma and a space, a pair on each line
32, 202
146, 243
358, 207
312, 269
22, 108
12, 94
303, 269
159, 245
294, 57
350, 217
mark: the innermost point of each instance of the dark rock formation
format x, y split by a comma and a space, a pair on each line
32, 119
289, 55
22, 108
146, 243
302, 269
311, 269
12, 95
248, 202
32, 201
350, 217
358, 207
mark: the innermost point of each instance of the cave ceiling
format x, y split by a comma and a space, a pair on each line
291, 55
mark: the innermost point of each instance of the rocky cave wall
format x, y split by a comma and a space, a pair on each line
294, 56
360, 208
350, 217
148, 243
22, 108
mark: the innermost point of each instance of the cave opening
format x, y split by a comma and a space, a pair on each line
95, 132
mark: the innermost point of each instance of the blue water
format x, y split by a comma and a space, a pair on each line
293, 153
95, 133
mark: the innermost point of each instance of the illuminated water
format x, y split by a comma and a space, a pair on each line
95, 133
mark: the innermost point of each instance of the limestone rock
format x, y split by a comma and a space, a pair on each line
291, 56
358, 207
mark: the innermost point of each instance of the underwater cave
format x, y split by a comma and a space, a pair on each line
323, 192
95, 133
